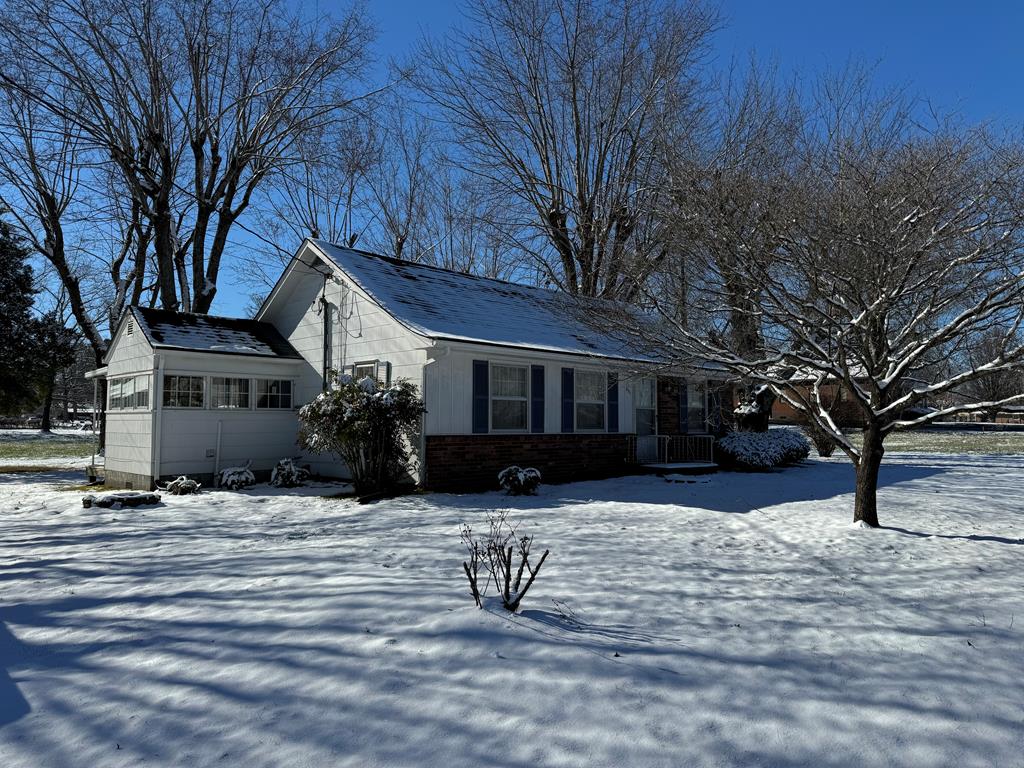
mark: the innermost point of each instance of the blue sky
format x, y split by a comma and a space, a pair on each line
967, 57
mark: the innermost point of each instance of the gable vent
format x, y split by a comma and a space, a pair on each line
131, 327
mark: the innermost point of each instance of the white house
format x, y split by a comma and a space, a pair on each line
507, 372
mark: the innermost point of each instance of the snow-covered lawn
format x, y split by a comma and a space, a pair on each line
733, 620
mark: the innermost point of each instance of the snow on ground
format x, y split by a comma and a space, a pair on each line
736, 620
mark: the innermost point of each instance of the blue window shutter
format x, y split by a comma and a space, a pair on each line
481, 396
536, 398
568, 400
684, 407
613, 402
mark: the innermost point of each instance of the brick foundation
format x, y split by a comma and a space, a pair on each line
472, 462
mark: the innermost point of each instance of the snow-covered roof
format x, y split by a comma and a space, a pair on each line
210, 333
442, 304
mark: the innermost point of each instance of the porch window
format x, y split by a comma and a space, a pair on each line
273, 393
591, 399
183, 391
643, 404
229, 393
509, 398
129, 392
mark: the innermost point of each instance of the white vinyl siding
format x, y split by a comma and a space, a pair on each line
509, 398
591, 400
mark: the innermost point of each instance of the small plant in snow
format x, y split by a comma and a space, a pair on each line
287, 475
235, 478
181, 486
368, 424
759, 451
504, 556
519, 482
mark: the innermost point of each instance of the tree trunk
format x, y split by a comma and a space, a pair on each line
45, 424
865, 505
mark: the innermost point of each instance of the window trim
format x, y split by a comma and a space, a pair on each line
525, 367
576, 401
164, 390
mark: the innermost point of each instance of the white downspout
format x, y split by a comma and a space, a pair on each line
157, 409
216, 454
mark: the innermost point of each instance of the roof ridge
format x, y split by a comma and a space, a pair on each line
436, 268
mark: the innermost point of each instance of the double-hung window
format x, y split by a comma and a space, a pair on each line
273, 393
509, 397
183, 391
229, 393
591, 400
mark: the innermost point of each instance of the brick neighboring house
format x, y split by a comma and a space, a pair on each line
510, 374
845, 412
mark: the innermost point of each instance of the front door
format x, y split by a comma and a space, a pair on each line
644, 410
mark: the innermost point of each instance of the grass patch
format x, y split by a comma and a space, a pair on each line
45, 449
928, 441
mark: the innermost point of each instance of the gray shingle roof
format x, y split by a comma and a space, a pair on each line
210, 333
441, 304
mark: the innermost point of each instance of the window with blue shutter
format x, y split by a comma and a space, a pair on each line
481, 396
536, 398
568, 399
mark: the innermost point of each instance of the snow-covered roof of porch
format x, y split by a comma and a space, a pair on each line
209, 333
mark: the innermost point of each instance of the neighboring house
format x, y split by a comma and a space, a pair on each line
507, 372
838, 398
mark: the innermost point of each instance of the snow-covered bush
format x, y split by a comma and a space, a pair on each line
368, 424
181, 486
754, 451
518, 482
287, 475
235, 478
504, 556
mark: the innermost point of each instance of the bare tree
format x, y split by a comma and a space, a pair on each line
195, 103
998, 386
556, 107
891, 247
723, 187
41, 164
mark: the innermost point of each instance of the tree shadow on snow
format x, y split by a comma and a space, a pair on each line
735, 492
969, 537
13, 705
